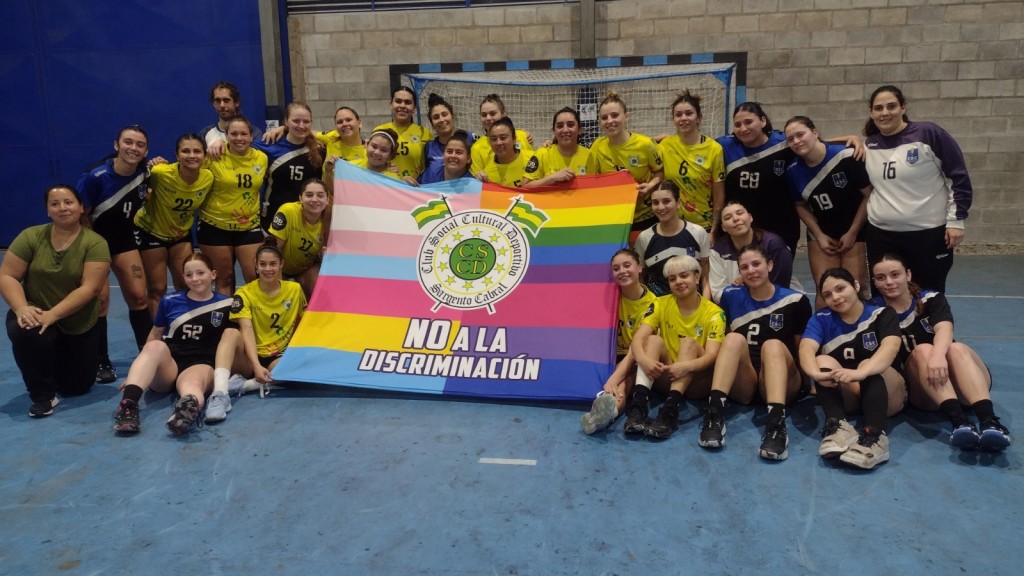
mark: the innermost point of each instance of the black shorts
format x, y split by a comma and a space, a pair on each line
147, 241
266, 361
189, 359
209, 235
120, 237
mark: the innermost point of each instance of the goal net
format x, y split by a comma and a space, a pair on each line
532, 96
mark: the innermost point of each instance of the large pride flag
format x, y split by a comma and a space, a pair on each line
466, 288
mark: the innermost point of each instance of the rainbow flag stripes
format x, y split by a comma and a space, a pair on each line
466, 288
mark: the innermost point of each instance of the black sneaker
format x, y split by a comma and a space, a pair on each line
105, 373
636, 417
775, 441
665, 424
186, 410
126, 419
964, 436
42, 408
712, 430
994, 436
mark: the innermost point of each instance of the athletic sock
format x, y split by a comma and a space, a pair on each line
831, 400
220, 379
132, 392
952, 409
874, 402
983, 410
716, 400
675, 398
101, 327
641, 394
642, 380
142, 324
776, 412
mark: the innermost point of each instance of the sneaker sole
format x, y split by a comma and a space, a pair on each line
53, 404
713, 443
656, 435
995, 442
771, 456
126, 428
863, 465
586, 423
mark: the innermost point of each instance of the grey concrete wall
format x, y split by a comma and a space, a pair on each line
959, 62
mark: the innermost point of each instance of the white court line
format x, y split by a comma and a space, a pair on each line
509, 461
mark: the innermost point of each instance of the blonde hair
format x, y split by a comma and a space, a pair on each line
684, 263
612, 97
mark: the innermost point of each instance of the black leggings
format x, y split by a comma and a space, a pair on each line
54, 362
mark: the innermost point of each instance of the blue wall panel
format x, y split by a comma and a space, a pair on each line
73, 73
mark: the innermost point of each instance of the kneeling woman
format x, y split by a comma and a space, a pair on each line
858, 344
940, 373
690, 330
757, 355
180, 351
635, 300
301, 232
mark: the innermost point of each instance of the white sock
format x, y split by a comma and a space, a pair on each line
642, 379
251, 385
220, 379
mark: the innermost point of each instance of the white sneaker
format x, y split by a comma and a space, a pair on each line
217, 407
836, 438
601, 414
870, 450
236, 386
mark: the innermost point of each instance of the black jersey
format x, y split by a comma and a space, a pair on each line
851, 344
192, 329
290, 166
832, 189
757, 178
918, 327
782, 317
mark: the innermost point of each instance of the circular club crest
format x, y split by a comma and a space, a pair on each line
472, 260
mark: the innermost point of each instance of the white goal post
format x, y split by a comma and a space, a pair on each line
534, 90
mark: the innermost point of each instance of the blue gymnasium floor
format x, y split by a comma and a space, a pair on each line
333, 481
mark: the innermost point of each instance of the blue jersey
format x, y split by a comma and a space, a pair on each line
434, 155
757, 178
782, 317
289, 166
832, 189
192, 329
114, 199
851, 344
917, 326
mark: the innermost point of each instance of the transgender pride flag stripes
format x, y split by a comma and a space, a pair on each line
466, 288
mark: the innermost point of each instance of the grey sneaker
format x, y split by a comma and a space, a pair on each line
236, 386
217, 407
836, 437
601, 414
870, 450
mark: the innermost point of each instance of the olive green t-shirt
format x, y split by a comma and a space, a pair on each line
52, 275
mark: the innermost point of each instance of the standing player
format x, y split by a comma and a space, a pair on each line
694, 162
940, 372
381, 148
680, 356
229, 220
492, 109
345, 142
922, 190
292, 160
411, 138
509, 166
635, 301
758, 354
180, 351
619, 149
301, 231
848, 349
831, 190
227, 103
442, 120
163, 225
671, 236
112, 193
568, 158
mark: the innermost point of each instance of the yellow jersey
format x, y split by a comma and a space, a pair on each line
631, 314
274, 318
551, 160
639, 155
391, 170
335, 147
302, 244
234, 200
694, 169
482, 153
706, 323
170, 210
511, 174
412, 139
